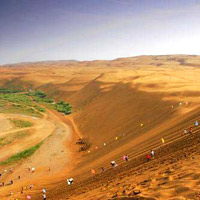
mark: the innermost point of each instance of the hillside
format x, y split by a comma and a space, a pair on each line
122, 106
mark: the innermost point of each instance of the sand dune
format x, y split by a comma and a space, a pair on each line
137, 100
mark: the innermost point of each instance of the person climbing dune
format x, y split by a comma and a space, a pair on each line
152, 154
70, 181
148, 157
185, 131
125, 158
44, 196
102, 169
113, 164
190, 130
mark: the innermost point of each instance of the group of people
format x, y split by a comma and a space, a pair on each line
30, 169
44, 194
5, 171
28, 196
185, 131
70, 181
150, 155
190, 131
114, 164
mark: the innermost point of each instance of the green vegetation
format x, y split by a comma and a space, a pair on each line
20, 109
41, 97
40, 108
38, 93
4, 90
16, 98
28, 103
2, 103
13, 137
21, 123
22, 155
63, 107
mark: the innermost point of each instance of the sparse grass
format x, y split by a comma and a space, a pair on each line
13, 137
20, 109
41, 109
21, 134
2, 103
21, 123
22, 155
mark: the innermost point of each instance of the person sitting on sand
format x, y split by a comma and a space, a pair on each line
113, 164
31, 186
70, 181
11, 169
28, 196
11, 182
190, 130
33, 169
1, 184
185, 131
93, 171
44, 196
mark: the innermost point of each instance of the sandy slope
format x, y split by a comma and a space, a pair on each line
173, 174
112, 99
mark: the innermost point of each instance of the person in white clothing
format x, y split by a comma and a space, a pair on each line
152, 153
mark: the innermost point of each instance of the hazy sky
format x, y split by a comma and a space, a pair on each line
32, 30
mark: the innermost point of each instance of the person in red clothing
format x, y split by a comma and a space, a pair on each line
148, 156
190, 130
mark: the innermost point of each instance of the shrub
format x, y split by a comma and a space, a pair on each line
22, 155
63, 107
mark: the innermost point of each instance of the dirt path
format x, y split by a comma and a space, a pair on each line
51, 160
41, 129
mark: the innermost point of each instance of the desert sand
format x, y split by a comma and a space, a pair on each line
122, 106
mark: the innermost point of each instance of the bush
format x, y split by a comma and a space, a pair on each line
40, 94
24, 154
63, 107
